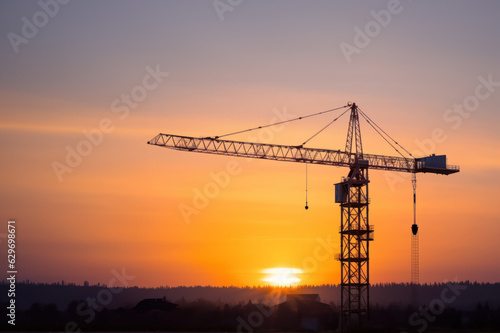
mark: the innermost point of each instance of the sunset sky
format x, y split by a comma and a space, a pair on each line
105, 77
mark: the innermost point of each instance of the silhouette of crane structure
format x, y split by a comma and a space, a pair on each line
351, 193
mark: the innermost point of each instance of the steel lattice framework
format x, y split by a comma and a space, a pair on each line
355, 235
292, 154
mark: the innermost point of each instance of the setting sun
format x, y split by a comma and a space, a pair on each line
282, 276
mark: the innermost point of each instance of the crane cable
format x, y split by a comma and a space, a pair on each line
307, 207
321, 130
281, 122
290, 120
371, 123
415, 249
414, 184
368, 119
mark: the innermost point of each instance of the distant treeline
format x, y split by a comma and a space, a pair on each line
204, 315
61, 294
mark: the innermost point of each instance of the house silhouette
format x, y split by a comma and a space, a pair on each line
302, 311
154, 304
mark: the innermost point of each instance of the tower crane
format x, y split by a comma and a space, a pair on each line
351, 193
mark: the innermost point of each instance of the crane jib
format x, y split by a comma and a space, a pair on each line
431, 164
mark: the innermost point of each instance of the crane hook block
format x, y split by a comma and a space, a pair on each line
307, 207
414, 229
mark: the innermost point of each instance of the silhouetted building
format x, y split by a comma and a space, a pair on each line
154, 304
302, 311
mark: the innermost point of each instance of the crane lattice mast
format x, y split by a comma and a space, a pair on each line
355, 232
351, 193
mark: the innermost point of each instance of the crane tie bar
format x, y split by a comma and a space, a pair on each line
281, 122
372, 123
321, 130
